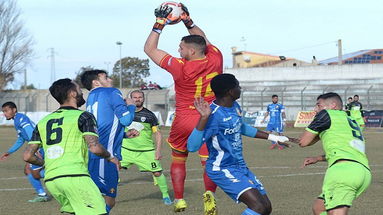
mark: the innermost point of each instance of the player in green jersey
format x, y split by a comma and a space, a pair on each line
348, 174
356, 112
141, 150
66, 135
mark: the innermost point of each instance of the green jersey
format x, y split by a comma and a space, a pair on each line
356, 111
340, 135
146, 123
61, 136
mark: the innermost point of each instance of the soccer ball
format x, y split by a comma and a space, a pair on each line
174, 17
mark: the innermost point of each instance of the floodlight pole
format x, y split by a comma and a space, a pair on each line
120, 44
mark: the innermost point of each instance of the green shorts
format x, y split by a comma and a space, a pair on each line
344, 182
145, 161
78, 195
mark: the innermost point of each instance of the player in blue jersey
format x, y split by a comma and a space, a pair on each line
113, 114
24, 127
277, 114
221, 127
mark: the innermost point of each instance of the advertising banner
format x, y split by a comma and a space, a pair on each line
374, 118
304, 118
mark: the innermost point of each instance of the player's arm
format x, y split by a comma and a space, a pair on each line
151, 44
16, 146
195, 139
320, 123
88, 126
266, 115
30, 155
313, 160
33, 146
123, 109
158, 138
189, 24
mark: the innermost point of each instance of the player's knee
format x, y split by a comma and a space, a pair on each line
157, 174
261, 209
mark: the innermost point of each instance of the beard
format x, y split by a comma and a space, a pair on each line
80, 100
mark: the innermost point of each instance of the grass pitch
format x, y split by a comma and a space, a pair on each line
290, 188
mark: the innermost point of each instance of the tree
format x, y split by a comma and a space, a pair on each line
15, 43
134, 70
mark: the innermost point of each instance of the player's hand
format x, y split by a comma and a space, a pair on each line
162, 13
309, 160
129, 101
186, 14
202, 107
158, 155
4, 156
294, 140
117, 162
132, 133
185, 17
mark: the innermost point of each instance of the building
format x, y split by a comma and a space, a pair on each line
369, 56
245, 59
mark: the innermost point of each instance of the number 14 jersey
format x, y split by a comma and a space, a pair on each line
192, 78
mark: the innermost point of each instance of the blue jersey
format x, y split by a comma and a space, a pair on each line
223, 135
112, 114
24, 127
275, 112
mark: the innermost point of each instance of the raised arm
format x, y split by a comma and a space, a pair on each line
192, 28
151, 44
195, 139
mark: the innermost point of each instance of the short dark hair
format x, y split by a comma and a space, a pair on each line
222, 83
61, 88
273, 96
356, 96
9, 104
197, 40
88, 76
349, 97
137, 91
331, 95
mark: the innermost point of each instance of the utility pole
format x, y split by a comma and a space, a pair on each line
53, 68
339, 52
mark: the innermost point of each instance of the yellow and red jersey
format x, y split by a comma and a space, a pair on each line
192, 78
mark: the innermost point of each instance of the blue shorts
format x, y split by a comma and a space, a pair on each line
277, 127
235, 181
105, 176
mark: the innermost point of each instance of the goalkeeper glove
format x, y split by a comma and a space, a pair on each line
161, 14
186, 17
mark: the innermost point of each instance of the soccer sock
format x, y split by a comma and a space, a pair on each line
108, 208
162, 184
178, 174
209, 184
37, 185
248, 211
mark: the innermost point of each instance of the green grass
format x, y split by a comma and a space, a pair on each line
290, 188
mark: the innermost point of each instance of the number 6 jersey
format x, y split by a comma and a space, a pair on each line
61, 136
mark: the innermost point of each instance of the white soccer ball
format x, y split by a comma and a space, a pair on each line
174, 17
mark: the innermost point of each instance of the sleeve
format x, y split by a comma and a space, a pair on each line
36, 138
124, 113
321, 122
18, 143
361, 110
197, 138
248, 130
173, 65
87, 124
268, 108
154, 121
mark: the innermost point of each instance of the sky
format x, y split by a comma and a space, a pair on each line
85, 32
